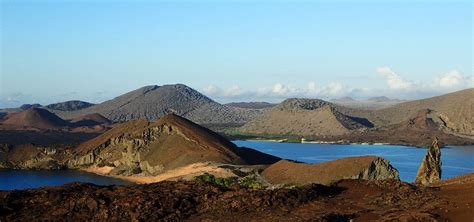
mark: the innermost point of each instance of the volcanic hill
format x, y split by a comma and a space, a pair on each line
33, 118
304, 117
455, 110
419, 129
151, 148
90, 120
361, 167
152, 102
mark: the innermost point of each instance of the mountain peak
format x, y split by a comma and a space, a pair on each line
152, 102
299, 103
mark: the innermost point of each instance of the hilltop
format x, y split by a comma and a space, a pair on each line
71, 105
90, 120
33, 118
305, 117
361, 167
152, 102
39, 126
151, 148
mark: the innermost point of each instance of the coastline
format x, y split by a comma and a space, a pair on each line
335, 142
346, 143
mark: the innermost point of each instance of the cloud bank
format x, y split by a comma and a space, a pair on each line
393, 85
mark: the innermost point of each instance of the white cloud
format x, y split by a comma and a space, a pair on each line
233, 91
453, 79
211, 90
334, 89
283, 90
394, 80
398, 87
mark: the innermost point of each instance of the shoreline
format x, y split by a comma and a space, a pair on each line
345, 143
334, 142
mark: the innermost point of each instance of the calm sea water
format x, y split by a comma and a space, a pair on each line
23, 179
456, 160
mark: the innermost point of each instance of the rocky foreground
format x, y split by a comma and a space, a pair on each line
358, 200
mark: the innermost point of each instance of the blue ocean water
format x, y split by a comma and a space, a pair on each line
457, 160
24, 179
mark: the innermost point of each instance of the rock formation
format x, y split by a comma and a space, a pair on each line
430, 168
363, 167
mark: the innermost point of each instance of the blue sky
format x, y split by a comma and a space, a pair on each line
244, 50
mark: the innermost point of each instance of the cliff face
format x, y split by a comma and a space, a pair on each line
364, 167
430, 168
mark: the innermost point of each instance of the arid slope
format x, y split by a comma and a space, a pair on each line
151, 148
456, 110
32, 118
304, 117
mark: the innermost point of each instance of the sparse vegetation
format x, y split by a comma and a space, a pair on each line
250, 181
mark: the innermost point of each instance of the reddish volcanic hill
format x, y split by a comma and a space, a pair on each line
33, 118
151, 148
361, 167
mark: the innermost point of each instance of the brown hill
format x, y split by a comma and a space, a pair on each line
364, 167
419, 130
90, 120
304, 117
151, 148
456, 110
33, 118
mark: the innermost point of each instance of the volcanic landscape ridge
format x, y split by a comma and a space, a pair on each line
173, 142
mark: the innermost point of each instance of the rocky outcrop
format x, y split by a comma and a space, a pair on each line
29, 156
430, 168
363, 167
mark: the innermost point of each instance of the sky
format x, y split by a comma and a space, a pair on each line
242, 50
